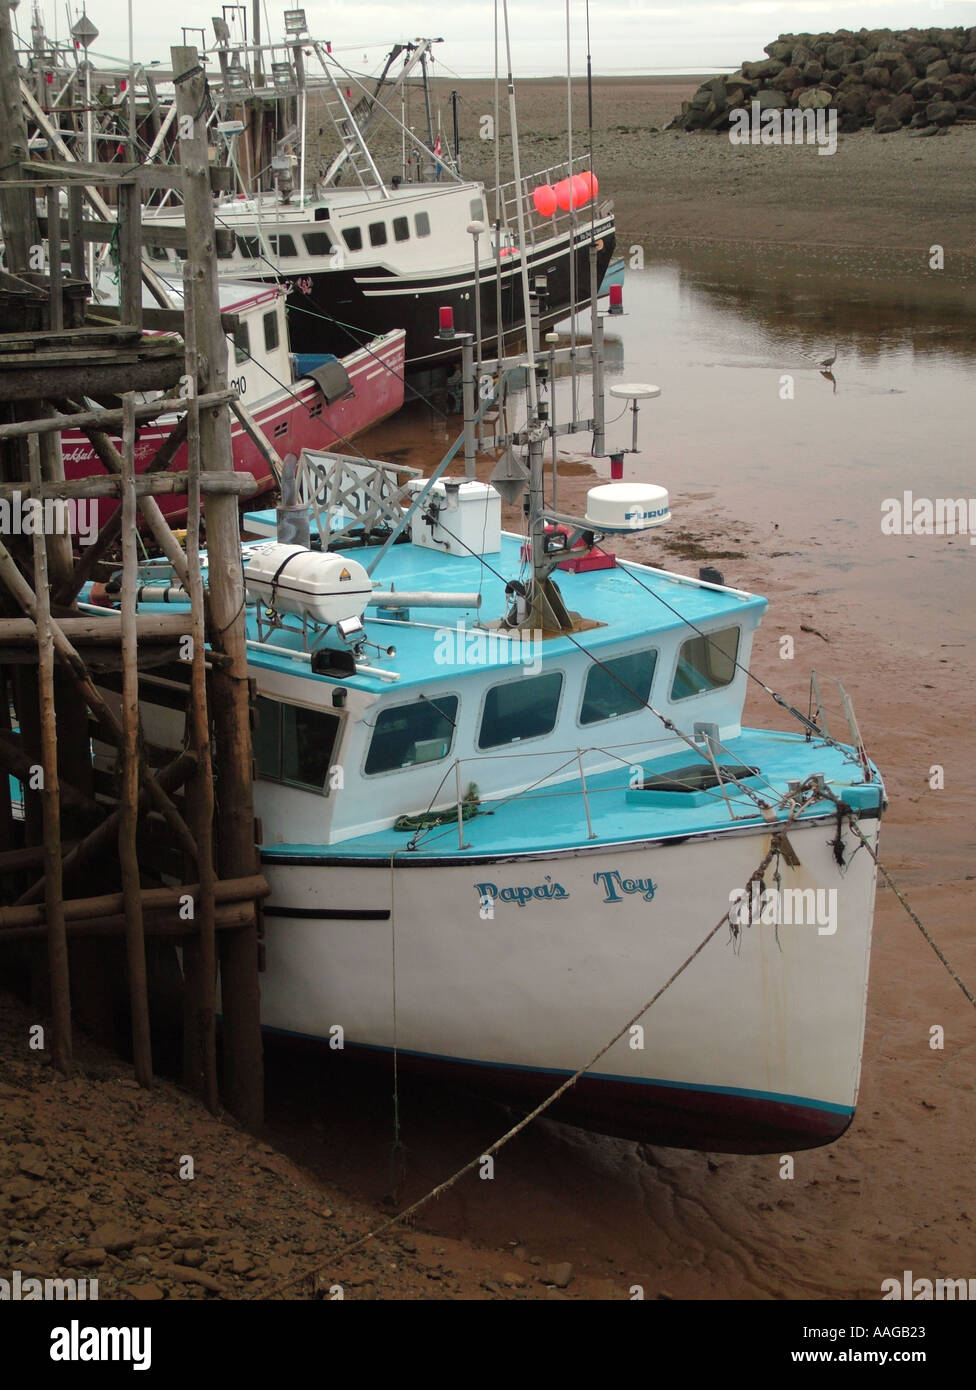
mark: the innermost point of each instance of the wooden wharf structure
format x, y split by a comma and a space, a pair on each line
164, 850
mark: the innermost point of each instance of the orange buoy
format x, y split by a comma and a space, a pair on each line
545, 200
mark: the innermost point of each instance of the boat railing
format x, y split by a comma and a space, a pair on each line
569, 768
822, 714
537, 227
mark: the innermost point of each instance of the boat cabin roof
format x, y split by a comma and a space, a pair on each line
629, 615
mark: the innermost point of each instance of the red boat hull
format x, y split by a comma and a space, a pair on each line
292, 419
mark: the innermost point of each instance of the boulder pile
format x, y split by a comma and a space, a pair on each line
922, 78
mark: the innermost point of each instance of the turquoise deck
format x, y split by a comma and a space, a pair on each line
551, 818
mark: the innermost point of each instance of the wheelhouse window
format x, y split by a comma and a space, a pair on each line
317, 243
401, 228
242, 344
353, 237
705, 663
295, 745
249, 247
621, 685
272, 333
409, 735
421, 223
283, 245
377, 234
520, 709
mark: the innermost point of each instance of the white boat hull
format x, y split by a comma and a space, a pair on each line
757, 1045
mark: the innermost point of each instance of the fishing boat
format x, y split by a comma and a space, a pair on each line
508, 799
290, 402
372, 241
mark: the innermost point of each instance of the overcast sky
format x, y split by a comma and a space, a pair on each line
627, 36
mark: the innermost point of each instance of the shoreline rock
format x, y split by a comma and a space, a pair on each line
876, 79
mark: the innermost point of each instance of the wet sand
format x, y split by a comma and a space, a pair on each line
877, 190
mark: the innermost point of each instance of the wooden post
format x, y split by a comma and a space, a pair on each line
200, 954
76, 206
57, 939
18, 209
135, 942
7, 834
237, 853
52, 193
130, 255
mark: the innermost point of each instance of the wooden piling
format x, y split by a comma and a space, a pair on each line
135, 943
237, 853
57, 940
200, 957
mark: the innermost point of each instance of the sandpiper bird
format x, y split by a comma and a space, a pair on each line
828, 362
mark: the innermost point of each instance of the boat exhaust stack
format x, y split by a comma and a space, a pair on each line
291, 516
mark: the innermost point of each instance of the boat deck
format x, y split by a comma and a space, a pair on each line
548, 818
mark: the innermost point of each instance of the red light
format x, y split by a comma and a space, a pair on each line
446, 320
122, 85
49, 77
616, 299
328, 47
616, 467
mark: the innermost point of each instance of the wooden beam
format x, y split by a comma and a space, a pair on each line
165, 320
150, 235
226, 890
146, 485
95, 336
152, 627
107, 419
228, 917
267, 450
28, 381
144, 176
103, 837
17, 761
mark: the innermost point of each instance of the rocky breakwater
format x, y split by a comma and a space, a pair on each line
875, 78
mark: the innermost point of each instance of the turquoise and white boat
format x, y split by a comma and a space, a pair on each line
500, 812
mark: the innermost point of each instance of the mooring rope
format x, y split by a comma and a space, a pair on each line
756, 877
843, 807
